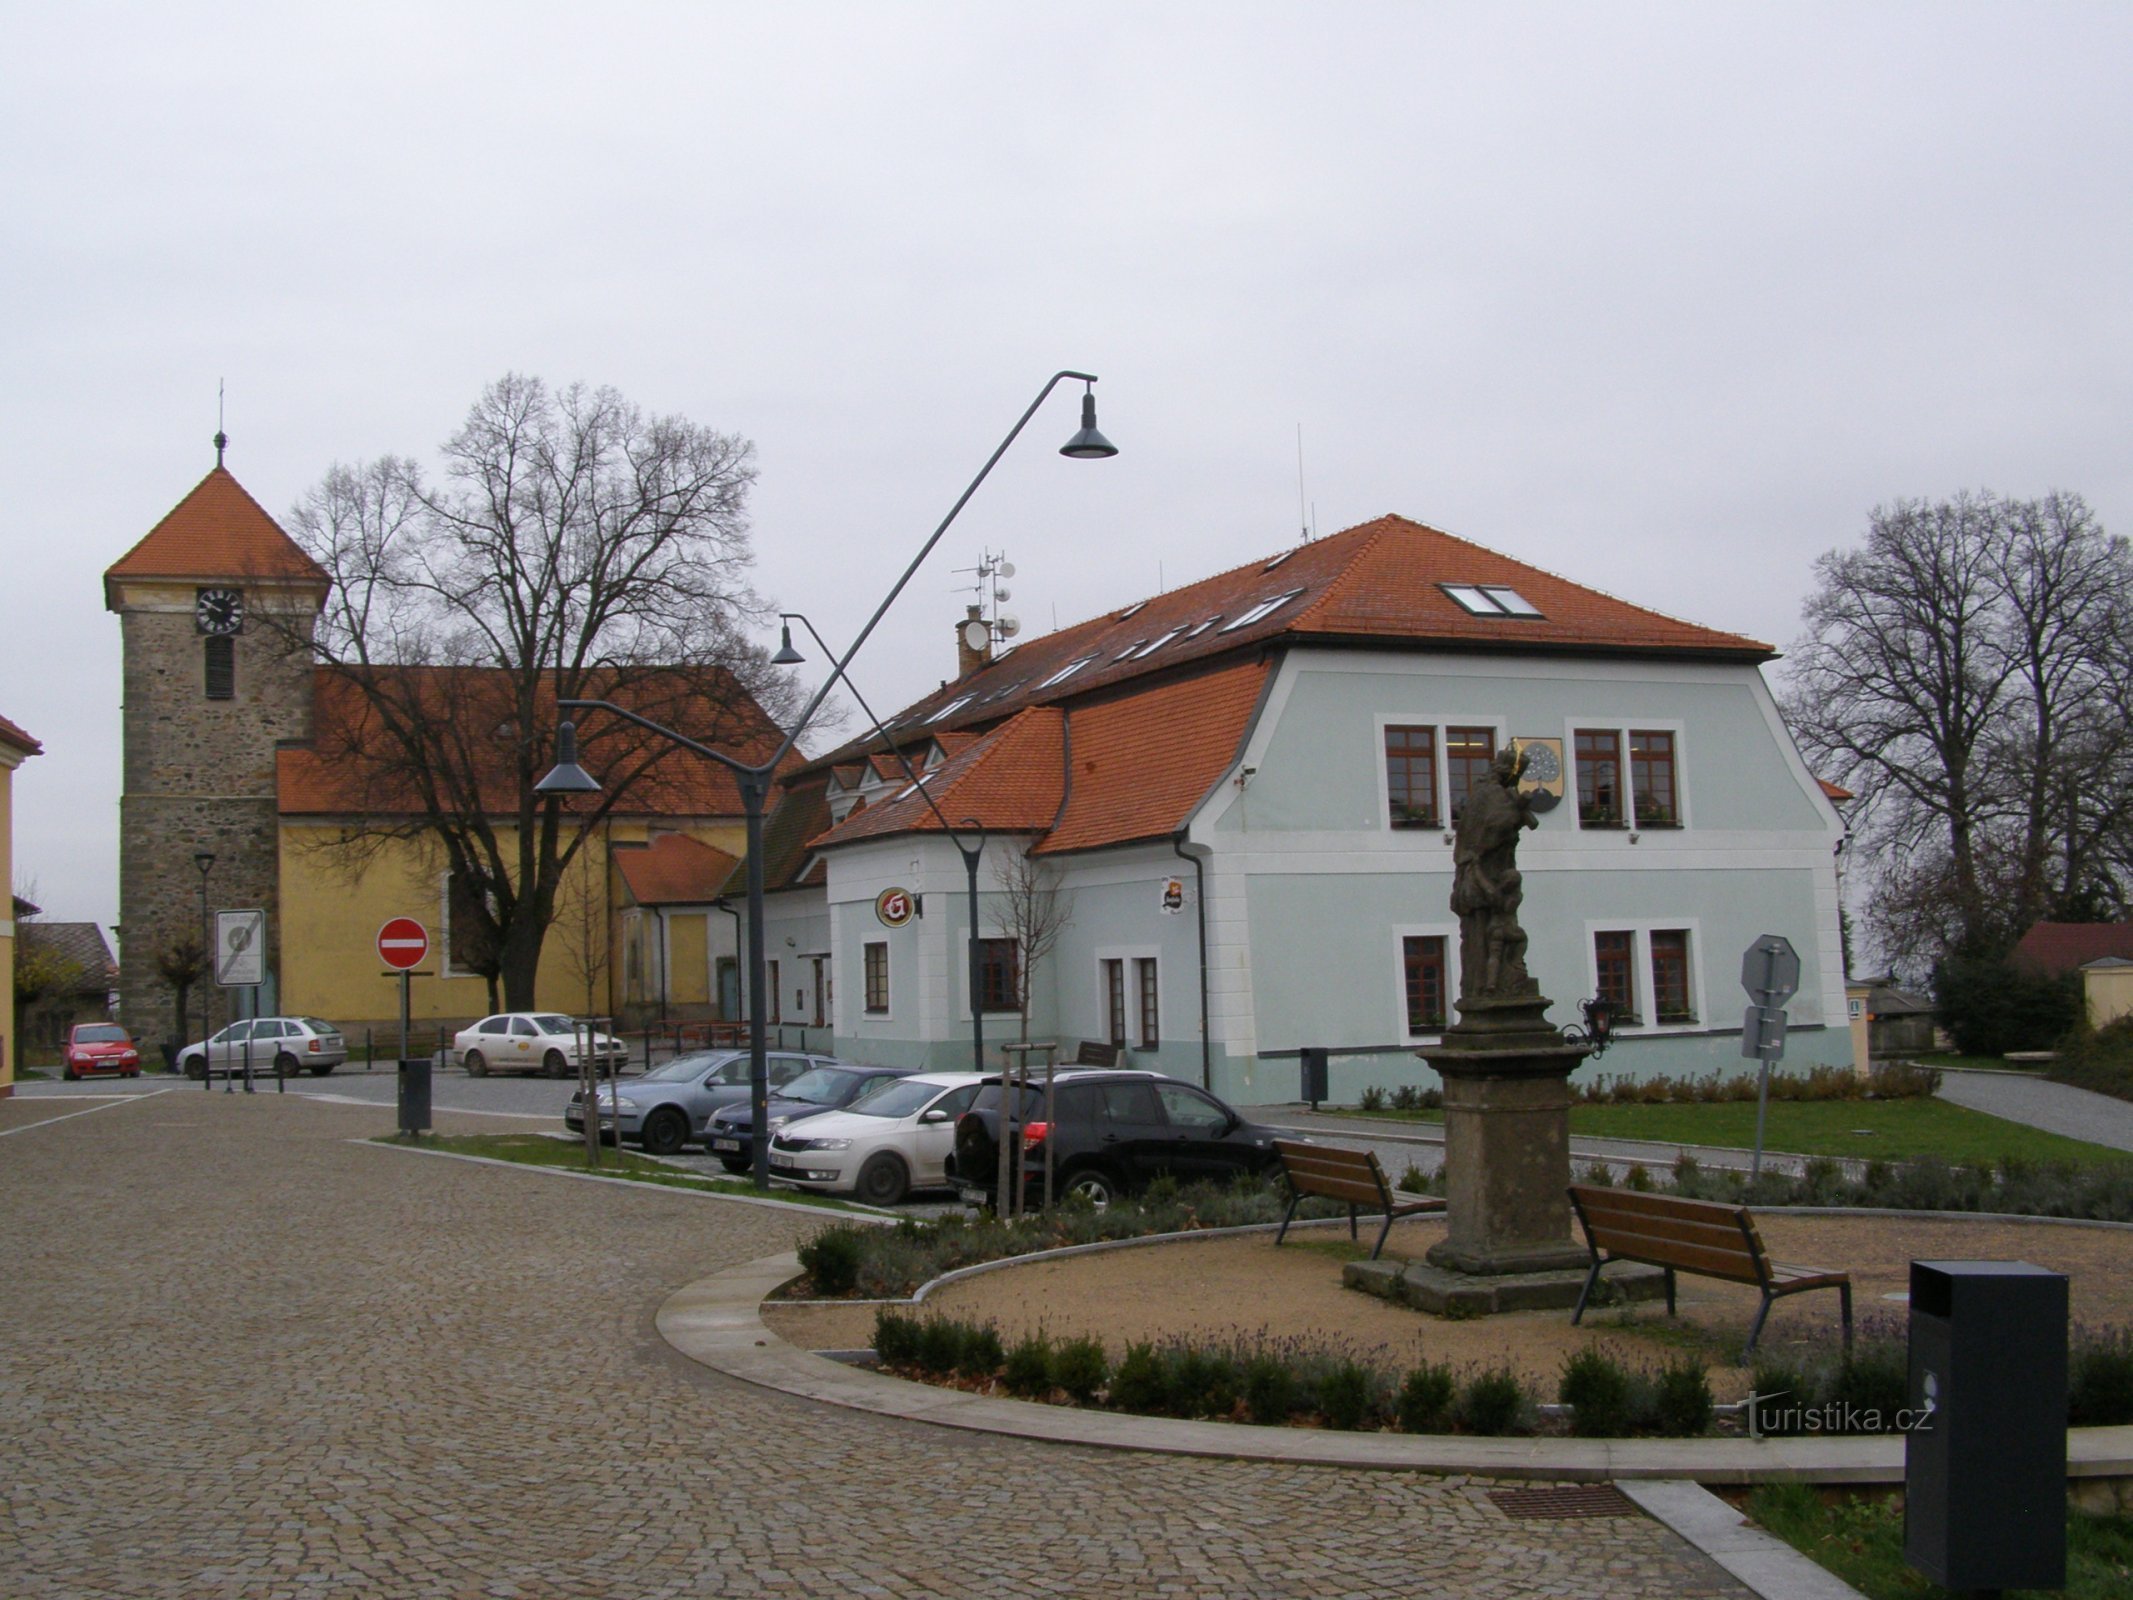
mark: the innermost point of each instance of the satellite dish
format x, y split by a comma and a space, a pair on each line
1006, 569
1010, 626
976, 635
1001, 591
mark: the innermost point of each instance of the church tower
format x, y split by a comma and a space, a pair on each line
209, 605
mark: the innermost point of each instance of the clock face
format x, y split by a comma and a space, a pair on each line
219, 611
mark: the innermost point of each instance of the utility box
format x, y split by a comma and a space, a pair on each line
1314, 1075
1984, 1470
415, 1095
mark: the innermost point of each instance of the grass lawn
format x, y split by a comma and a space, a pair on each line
568, 1155
1861, 1541
1896, 1130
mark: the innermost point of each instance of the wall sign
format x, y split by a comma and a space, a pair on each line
1173, 896
1543, 780
895, 907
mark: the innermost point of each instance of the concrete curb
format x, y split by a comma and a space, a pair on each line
717, 1323
1761, 1561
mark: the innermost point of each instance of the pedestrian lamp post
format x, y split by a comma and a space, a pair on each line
205, 861
754, 781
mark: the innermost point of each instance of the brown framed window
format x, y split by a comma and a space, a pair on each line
1670, 975
1144, 981
876, 954
1615, 957
1411, 776
1467, 754
1000, 974
1115, 1002
220, 652
1422, 955
1597, 754
1651, 774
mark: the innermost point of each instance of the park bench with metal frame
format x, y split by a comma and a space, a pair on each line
1705, 1237
1341, 1174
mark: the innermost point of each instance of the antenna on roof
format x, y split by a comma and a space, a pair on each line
221, 439
1303, 520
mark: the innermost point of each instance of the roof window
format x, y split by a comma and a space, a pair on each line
949, 710
1066, 672
1490, 600
1199, 628
1264, 609
1128, 652
1129, 611
1277, 561
1155, 644
910, 789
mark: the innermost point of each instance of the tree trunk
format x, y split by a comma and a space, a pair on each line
519, 962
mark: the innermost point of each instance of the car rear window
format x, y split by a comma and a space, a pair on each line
989, 1100
318, 1026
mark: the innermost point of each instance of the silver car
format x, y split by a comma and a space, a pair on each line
276, 1044
671, 1105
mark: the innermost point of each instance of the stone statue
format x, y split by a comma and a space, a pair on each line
1487, 887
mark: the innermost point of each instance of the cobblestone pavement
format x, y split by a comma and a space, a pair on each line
246, 1357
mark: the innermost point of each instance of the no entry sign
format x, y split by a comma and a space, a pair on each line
402, 943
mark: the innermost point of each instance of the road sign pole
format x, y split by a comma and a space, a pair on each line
407, 980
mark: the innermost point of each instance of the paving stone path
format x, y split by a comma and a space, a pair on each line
243, 1356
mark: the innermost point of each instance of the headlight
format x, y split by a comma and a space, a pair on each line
825, 1144
627, 1105
779, 1122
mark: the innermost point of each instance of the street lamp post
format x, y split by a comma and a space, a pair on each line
205, 861
754, 781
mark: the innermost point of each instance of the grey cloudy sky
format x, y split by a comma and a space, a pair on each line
1663, 298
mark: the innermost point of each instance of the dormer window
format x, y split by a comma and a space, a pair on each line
1264, 609
1490, 600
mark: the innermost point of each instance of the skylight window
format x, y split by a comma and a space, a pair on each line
1128, 651
910, 789
949, 710
1490, 600
1129, 611
1066, 672
1265, 608
1155, 644
1199, 628
1277, 561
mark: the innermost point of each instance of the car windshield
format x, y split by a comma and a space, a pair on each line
552, 1023
895, 1097
685, 1069
99, 1035
823, 1086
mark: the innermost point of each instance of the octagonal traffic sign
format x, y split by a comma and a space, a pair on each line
402, 943
1770, 970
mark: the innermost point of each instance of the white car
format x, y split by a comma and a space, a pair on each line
547, 1042
889, 1141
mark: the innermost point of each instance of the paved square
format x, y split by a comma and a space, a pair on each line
244, 1356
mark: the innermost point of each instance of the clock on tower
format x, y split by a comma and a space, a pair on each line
219, 611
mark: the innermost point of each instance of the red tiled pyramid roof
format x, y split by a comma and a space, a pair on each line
216, 531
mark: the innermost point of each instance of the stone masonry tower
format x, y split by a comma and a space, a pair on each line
208, 604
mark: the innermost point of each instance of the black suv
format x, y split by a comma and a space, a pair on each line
1110, 1132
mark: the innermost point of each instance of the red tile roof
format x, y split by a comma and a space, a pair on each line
1011, 780
10, 734
334, 775
1379, 583
2056, 947
673, 869
1834, 792
217, 531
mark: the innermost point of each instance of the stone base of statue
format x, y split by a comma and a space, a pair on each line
1506, 1156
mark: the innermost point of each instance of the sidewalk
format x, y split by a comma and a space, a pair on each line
2054, 1107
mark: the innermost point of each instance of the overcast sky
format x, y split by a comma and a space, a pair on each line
1663, 298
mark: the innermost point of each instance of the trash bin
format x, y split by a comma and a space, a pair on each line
1984, 1467
415, 1095
1314, 1075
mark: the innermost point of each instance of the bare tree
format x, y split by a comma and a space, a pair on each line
582, 924
1033, 912
577, 548
1964, 673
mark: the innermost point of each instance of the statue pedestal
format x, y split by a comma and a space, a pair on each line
1507, 1155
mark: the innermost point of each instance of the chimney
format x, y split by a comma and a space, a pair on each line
970, 657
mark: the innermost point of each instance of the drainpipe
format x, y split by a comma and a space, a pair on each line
733, 911
661, 913
1199, 873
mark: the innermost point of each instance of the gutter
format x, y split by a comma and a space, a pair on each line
1199, 873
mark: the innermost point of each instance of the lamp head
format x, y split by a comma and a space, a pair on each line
787, 656
1599, 1018
203, 859
566, 776
1088, 444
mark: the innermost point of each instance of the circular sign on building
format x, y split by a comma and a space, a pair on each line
895, 907
402, 943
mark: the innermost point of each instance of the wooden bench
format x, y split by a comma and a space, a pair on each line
1350, 1175
1093, 1054
1699, 1236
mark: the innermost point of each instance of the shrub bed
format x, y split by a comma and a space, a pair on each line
1889, 1080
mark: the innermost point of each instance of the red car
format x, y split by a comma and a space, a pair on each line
94, 1047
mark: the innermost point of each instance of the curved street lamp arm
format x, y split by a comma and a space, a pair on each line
681, 739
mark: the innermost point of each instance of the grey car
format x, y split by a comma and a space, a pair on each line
276, 1044
670, 1105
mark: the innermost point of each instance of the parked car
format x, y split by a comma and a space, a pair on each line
276, 1044
894, 1137
815, 1091
1109, 1133
671, 1105
547, 1042
93, 1048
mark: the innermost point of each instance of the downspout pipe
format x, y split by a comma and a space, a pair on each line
1199, 900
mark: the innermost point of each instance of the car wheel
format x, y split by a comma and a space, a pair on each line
477, 1064
734, 1165
882, 1181
71, 1075
284, 1065
1094, 1185
554, 1066
195, 1067
665, 1131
